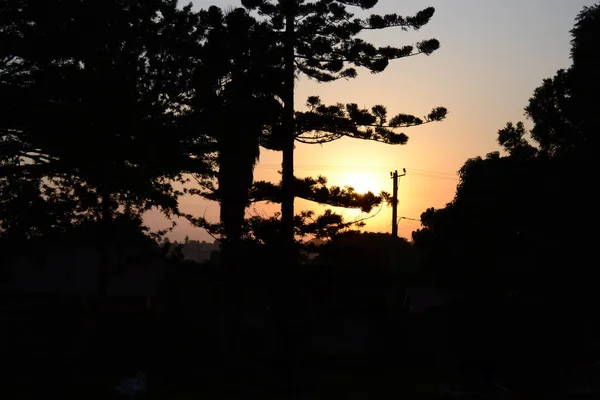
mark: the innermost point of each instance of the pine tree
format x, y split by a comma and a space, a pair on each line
319, 39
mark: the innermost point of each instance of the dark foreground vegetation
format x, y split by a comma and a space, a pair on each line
111, 109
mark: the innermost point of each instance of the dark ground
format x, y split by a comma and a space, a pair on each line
45, 353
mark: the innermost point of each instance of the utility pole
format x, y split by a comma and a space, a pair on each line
395, 177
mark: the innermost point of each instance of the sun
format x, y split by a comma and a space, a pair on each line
363, 182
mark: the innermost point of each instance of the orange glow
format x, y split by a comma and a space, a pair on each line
483, 86
362, 182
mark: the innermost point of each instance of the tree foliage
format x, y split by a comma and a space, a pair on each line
323, 124
316, 190
325, 38
237, 78
267, 229
585, 83
563, 108
94, 99
515, 229
369, 250
320, 39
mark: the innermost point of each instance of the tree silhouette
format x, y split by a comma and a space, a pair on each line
516, 235
320, 124
377, 251
267, 230
316, 190
113, 75
548, 167
552, 111
319, 39
562, 108
585, 82
237, 79
324, 124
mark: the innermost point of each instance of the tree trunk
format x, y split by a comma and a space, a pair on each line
236, 170
103, 248
287, 204
283, 362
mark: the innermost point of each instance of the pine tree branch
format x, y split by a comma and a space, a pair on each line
329, 136
348, 60
316, 190
359, 3
322, 139
323, 124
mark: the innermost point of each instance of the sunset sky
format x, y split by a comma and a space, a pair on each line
493, 55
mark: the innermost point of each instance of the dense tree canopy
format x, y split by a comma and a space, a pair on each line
94, 99
517, 223
96, 118
376, 251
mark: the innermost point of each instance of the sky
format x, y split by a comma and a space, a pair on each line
493, 55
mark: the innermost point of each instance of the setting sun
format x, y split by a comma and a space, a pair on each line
363, 182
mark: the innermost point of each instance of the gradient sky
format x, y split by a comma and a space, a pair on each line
493, 55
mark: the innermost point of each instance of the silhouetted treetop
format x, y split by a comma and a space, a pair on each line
563, 109
516, 230
584, 75
584, 42
325, 35
514, 140
552, 111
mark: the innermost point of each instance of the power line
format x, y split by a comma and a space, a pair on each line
431, 172
432, 176
352, 167
410, 219
347, 168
